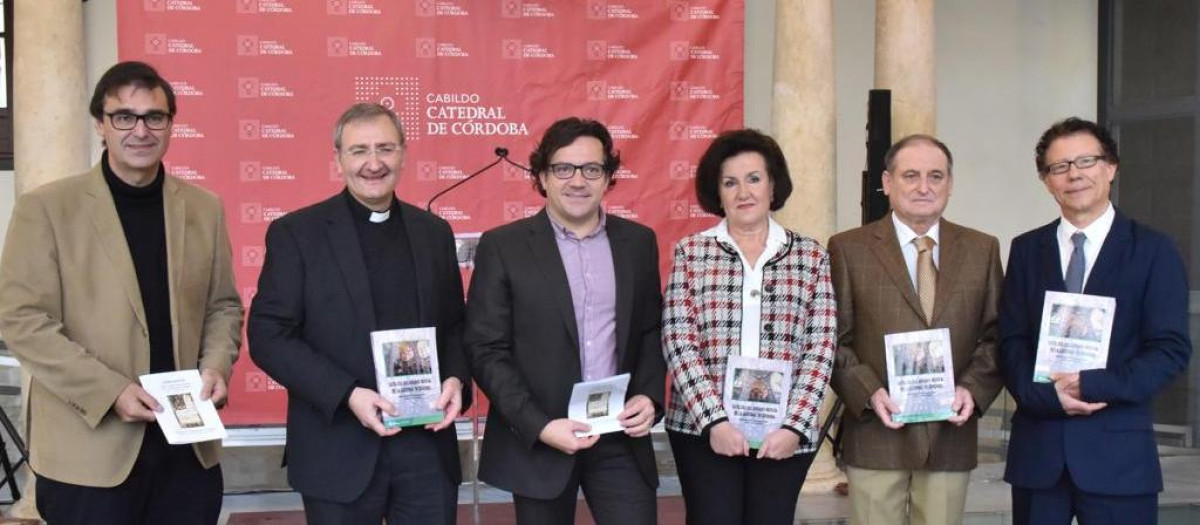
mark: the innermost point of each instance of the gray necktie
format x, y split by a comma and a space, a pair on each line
1077, 264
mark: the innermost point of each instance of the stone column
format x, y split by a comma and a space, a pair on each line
904, 63
804, 118
50, 119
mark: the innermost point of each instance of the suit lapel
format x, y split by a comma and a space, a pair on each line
103, 213
1103, 278
550, 267
174, 209
623, 272
422, 251
1052, 271
950, 262
344, 240
887, 248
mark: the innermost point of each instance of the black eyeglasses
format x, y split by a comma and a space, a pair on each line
566, 170
125, 121
1084, 162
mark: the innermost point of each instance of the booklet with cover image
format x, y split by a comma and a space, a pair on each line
406, 372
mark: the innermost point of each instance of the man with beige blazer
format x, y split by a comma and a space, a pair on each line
913, 270
106, 276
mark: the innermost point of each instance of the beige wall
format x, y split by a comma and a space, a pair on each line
1005, 71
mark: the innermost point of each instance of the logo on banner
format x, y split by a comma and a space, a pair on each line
599, 90
185, 172
513, 174
514, 210
680, 130
185, 89
683, 10
249, 129
428, 8
602, 9
427, 171
680, 91
159, 6
337, 46
252, 256
249, 171
519, 9
684, 50
256, 382
678, 210
247, 87
247, 45
156, 43
399, 94
247, 6
426, 48
350, 7
681, 170
511, 48
251, 213
430, 48
603, 50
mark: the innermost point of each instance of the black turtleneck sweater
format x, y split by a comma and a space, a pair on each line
144, 223
390, 268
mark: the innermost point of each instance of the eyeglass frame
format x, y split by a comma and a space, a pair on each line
553, 169
144, 118
1078, 162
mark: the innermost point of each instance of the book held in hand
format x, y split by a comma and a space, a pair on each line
406, 372
1074, 335
184, 418
598, 403
756, 395
920, 372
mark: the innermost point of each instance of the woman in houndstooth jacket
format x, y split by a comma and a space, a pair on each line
748, 287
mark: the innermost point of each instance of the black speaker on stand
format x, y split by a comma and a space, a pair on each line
879, 139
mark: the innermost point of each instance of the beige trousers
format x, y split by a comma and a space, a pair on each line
916, 497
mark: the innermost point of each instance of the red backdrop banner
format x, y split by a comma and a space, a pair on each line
260, 84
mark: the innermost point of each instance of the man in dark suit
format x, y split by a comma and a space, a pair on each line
570, 294
1083, 446
913, 270
334, 272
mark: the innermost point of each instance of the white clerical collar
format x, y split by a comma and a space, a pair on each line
380, 216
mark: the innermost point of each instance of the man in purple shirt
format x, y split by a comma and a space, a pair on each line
568, 295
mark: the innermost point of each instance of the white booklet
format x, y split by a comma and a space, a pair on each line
756, 395
406, 373
920, 372
185, 418
598, 403
1074, 335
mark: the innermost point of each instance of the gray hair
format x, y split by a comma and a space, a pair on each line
364, 111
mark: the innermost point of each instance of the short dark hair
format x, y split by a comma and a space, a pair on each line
364, 111
889, 159
733, 143
132, 73
1071, 126
560, 135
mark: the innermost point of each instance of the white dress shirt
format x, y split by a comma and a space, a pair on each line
752, 280
1095, 232
906, 235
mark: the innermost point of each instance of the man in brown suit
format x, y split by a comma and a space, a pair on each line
886, 275
108, 275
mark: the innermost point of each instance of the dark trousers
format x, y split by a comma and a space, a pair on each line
1058, 504
614, 488
721, 490
409, 486
167, 485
